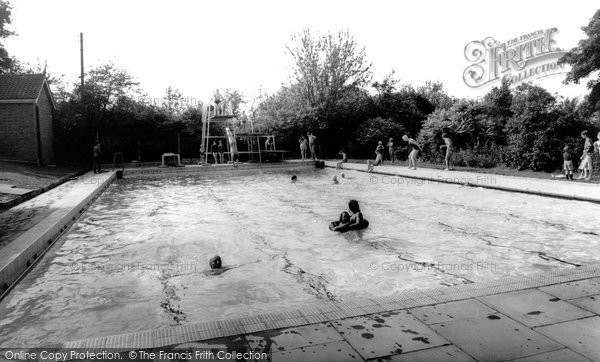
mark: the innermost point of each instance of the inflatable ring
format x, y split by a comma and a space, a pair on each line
363, 225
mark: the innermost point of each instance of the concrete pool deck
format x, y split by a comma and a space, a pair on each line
550, 316
570, 190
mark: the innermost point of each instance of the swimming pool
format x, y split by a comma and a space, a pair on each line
138, 258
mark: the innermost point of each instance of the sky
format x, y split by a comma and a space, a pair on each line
199, 46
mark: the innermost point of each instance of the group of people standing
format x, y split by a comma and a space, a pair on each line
585, 161
414, 147
308, 143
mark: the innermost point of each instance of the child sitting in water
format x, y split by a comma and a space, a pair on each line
341, 223
356, 221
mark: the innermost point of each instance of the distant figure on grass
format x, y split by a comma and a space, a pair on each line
312, 145
97, 157
390, 146
378, 158
340, 164
303, 147
214, 149
586, 157
449, 149
415, 149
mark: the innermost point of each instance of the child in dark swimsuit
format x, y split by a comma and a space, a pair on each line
357, 221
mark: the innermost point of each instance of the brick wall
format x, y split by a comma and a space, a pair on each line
17, 132
46, 130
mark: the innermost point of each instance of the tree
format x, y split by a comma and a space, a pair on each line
585, 59
107, 83
325, 65
7, 63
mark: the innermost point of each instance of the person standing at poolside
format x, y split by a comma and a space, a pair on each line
449, 149
202, 152
97, 157
214, 149
568, 163
303, 147
221, 150
311, 144
415, 149
390, 146
586, 157
340, 164
379, 150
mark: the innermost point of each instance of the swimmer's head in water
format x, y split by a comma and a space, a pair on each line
294, 178
335, 180
215, 262
353, 206
344, 217
405, 137
343, 175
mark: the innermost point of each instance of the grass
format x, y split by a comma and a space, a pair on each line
29, 176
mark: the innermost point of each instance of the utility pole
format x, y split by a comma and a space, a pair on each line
81, 50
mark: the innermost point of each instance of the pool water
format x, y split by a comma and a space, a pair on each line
138, 258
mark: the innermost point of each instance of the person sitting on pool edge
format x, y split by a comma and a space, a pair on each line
342, 223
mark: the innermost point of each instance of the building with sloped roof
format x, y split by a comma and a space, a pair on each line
26, 108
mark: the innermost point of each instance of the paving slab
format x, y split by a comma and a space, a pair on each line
451, 311
384, 334
291, 338
494, 338
534, 307
591, 303
235, 343
582, 336
438, 354
334, 351
562, 355
577, 289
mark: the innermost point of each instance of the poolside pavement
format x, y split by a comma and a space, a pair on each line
572, 190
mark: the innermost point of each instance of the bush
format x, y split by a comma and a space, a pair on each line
484, 156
